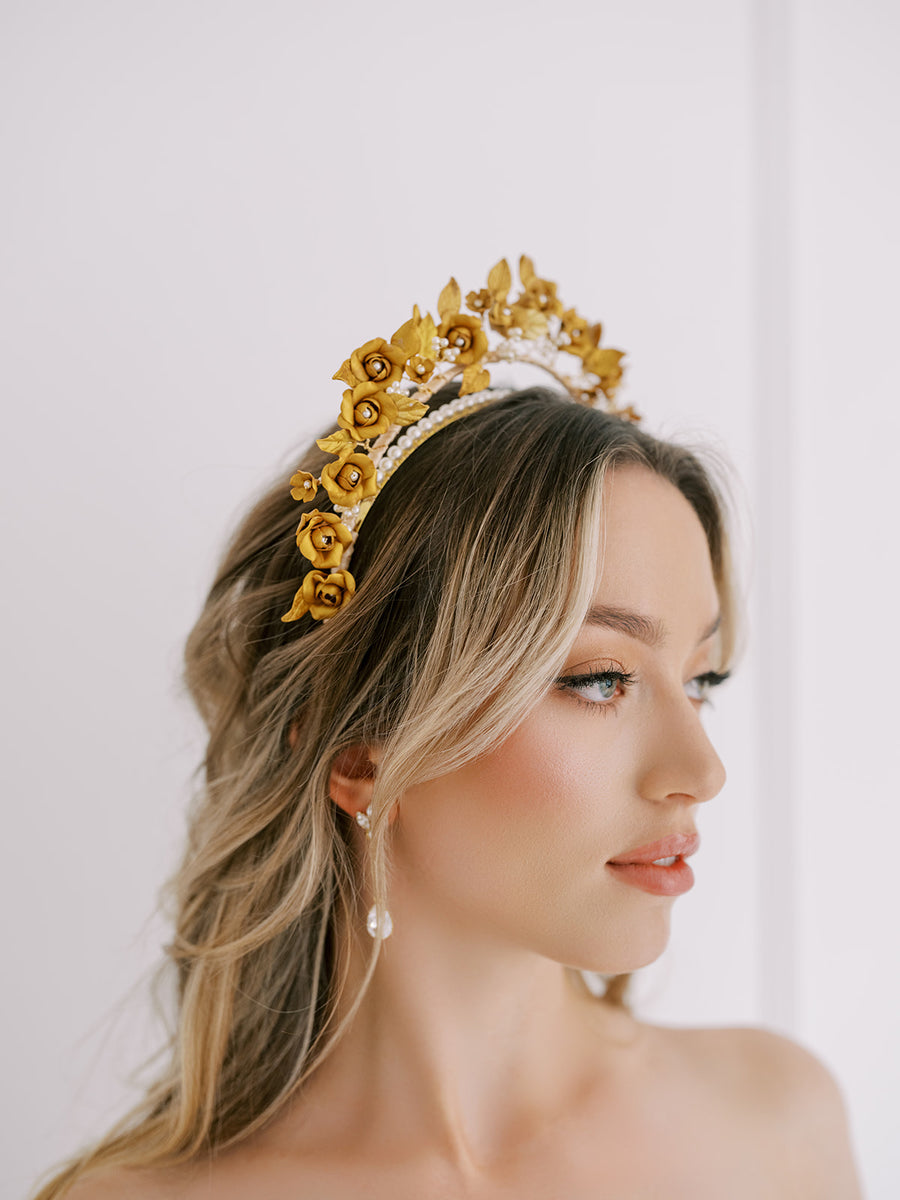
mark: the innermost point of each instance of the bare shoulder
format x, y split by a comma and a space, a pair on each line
786, 1094
127, 1183
767, 1069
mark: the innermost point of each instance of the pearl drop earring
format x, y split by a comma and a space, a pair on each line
375, 926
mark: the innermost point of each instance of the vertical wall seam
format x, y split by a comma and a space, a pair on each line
776, 624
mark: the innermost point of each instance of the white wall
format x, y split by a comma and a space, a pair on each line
206, 204
845, 314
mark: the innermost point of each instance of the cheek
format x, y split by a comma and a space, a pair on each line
540, 774
543, 805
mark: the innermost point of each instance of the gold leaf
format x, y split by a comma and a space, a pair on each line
427, 334
475, 379
603, 362
416, 335
409, 411
526, 270
406, 336
500, 279
345, 374
339, 443
298, 609
531, 321
449, 300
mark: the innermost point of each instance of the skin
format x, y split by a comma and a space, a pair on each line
474, 1067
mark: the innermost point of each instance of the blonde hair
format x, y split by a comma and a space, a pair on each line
475, 568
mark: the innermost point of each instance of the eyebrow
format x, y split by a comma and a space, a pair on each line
644, 629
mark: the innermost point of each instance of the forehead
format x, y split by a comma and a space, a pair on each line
654, 555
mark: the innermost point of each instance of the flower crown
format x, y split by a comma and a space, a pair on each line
378, 406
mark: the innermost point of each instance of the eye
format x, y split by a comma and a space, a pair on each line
700, 686
597, 689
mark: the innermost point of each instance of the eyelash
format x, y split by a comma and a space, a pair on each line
624, 680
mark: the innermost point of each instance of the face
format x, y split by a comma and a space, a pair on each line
518, 844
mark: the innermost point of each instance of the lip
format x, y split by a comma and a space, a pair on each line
637, 867
676, 845
658, 881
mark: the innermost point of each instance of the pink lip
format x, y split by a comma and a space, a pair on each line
681, 845
637, 867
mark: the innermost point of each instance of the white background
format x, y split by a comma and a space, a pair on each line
205, 206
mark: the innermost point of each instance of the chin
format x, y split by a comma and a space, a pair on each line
626, 949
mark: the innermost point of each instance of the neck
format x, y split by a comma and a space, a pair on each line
463, 1044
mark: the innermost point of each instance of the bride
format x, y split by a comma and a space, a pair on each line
450, 799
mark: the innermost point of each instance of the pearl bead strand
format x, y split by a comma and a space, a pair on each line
405, 441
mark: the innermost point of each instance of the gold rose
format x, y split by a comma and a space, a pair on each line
322, 538
321, 595
348, 481
463, 331
377, 361
466, 336
367, 411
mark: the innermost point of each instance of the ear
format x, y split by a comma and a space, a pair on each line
352, 778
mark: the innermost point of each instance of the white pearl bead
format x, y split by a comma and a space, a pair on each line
404, 442
384, 926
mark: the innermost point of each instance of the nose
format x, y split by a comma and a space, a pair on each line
680, 761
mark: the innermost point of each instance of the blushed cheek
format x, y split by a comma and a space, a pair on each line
536, 814
548, 771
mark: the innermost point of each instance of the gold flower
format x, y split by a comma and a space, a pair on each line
582, 336
481, 301
465, 335
420, 368
349, 480
530, 320
367, 411
303, 485
322, 537
321, 595
377, 361
539, 293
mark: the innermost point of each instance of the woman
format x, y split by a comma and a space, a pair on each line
483, 747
